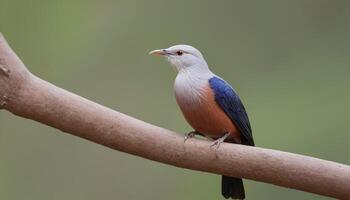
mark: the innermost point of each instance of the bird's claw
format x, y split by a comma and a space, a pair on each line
217, 142
189, 135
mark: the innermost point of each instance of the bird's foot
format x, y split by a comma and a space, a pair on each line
217, 142
190, 135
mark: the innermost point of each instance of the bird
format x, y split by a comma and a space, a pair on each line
210, 105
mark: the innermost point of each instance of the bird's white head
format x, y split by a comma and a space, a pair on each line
183, 57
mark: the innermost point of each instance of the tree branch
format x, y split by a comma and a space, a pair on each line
28, 96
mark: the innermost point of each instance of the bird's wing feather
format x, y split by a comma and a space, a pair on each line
230, 103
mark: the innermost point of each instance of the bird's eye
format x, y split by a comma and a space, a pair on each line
179, 53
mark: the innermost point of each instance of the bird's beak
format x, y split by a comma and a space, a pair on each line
159, 52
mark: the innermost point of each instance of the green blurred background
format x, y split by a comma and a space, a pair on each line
289, 61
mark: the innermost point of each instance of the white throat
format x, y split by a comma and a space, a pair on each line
190, 84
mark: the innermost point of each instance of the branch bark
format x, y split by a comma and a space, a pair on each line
28, 96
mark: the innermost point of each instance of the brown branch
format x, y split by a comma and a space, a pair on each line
28, 96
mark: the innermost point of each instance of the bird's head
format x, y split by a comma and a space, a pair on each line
182, 57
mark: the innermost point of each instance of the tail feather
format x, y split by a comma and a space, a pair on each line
232, 188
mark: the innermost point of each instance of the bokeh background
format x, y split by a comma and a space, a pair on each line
289, 61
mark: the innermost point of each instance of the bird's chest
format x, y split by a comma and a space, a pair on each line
197, 103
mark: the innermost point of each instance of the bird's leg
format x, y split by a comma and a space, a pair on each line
217, 142
191, 135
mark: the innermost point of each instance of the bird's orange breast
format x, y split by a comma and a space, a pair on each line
205, 116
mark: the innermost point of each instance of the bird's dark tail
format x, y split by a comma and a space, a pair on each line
232, 187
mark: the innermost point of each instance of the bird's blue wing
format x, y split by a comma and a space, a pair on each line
231, 104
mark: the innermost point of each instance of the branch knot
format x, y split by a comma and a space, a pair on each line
4, 71
3, 101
